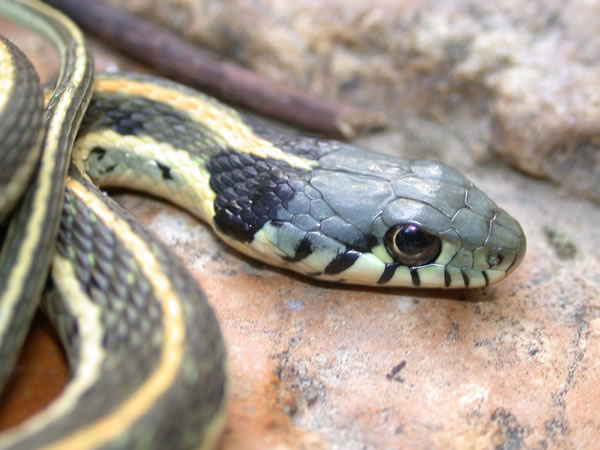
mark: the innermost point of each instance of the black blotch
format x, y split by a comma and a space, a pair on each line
466, 278
341, 262
388, 273
414, 274
485, 277
447, 278
372, 241
166, 170
303, 250
250, 191
99, 151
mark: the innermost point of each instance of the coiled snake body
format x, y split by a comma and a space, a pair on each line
149, 365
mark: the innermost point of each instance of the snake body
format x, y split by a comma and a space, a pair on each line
22, 102
148, 359
32, 226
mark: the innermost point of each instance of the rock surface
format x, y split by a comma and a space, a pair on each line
521, 81
323, 366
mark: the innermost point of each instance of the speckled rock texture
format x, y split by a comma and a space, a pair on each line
520, 80
515, 365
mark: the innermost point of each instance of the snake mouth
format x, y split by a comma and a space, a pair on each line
520, 256
508, 258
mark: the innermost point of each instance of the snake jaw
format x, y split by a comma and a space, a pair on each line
485, 263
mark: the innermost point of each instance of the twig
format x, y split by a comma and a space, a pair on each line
181, 60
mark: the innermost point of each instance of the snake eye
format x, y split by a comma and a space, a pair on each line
411, 246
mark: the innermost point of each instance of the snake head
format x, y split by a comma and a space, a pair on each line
442, 228
364, 218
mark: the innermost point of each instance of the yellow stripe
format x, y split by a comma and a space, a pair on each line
90, 362
6, 74
140, 403
222, 120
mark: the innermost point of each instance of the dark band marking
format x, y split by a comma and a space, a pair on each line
140, 116
372, 241
166, 170
303, 250
341, 262
250, 192
487, 280
388, 273
466, 278
414, 274
447, 277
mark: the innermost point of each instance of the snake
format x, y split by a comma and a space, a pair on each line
148, 360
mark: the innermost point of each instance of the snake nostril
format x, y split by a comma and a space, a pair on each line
494, 258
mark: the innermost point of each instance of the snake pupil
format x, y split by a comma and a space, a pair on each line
411, 246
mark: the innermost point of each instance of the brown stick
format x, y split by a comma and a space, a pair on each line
181, 60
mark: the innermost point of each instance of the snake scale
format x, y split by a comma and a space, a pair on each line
149, 366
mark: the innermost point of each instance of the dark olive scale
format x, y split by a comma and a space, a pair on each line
112, 279
304, 146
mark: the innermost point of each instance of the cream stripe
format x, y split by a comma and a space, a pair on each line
191, 170
132, 409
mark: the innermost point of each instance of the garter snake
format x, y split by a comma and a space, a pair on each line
149, 365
